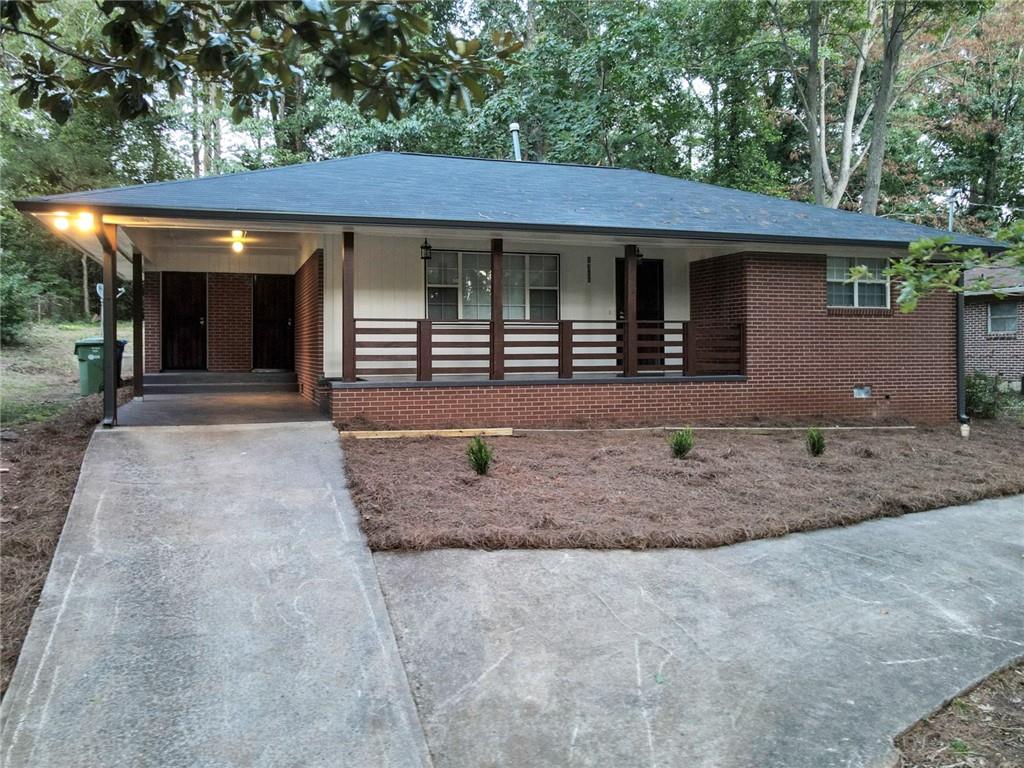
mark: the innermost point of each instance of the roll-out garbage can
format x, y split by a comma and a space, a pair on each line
90, 363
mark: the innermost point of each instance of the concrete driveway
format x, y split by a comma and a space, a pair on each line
211, 603
812, 650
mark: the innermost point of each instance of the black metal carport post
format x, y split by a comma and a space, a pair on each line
137, 320
108, 241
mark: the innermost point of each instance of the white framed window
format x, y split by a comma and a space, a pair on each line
1002, 317
459, 285
871, 291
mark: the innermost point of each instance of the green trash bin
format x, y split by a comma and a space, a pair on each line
90, 363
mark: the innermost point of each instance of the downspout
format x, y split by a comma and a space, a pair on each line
961, 386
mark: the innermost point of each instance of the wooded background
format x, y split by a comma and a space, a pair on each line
885, 106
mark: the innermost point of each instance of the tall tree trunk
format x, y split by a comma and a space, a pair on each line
892, 30
813, 99
197, 169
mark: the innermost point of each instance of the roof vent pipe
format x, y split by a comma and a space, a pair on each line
514, 129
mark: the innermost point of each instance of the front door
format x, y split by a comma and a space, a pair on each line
273, 325
650, 298
650, 289
183, 317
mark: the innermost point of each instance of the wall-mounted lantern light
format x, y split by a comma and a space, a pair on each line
425, 250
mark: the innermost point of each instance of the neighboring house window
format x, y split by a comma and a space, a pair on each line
459, 286
872, 291
1002, 317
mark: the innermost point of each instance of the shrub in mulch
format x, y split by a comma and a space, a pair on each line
981, 728
624, 490
42, 462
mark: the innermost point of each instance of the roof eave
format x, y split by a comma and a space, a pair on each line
44, 205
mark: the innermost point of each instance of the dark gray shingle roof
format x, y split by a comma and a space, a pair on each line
430, 189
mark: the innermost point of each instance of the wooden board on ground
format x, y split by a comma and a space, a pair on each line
382, 434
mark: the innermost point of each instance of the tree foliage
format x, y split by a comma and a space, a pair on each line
377, 55
715, 92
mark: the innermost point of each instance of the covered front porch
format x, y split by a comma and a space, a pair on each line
315, 308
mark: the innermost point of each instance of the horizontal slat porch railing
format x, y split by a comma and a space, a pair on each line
423, 349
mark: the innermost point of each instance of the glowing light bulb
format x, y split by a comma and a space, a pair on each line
61, 222
84, 221
236, 234
237, 246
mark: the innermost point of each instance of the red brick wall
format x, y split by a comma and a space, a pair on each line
309, 325
803, 361
229, 322
152, 358
998, 354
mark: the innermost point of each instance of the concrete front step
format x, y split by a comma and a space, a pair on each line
195, 382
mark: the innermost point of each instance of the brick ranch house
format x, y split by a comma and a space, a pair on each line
994, 324
411, 291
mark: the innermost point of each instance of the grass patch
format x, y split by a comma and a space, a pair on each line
625, 490
40, 376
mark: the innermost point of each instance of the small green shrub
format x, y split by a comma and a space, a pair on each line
815, 442
985, 395
681, 442
479, 454
17, 293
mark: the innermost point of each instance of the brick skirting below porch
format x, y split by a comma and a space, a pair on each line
633, 403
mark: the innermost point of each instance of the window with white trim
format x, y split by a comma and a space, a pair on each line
870, 291
459, 285
1002, 317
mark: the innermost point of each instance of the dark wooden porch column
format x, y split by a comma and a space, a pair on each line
497, 312
348, 310
137, 318
108, 240
629, 291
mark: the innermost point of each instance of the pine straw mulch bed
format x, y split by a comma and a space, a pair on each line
982, 728
43, 461
624, 490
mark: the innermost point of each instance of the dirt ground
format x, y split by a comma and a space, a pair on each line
42, 462
984, 728
624, 489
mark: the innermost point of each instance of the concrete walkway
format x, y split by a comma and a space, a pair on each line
211, 603
222, 408
814, 650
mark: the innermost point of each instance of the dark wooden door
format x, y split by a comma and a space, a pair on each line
183, 317
650, 299
650, 289
273, 322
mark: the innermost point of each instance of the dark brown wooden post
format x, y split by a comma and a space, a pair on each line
689, 349
497, 312
629, 290
137, 320
108, 239
565, 349
424, 351
348, 310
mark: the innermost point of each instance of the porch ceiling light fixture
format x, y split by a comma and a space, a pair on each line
237, 240
426, 249
84, 221
61, 220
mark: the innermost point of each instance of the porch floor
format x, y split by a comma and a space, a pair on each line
217, 408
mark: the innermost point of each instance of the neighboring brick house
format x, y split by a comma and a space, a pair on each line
401, 290
994, 324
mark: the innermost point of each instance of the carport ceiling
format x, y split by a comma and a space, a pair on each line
153, 240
